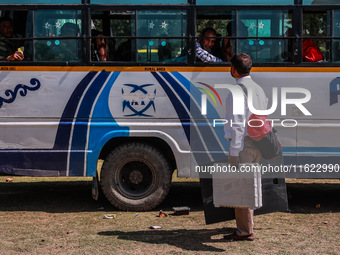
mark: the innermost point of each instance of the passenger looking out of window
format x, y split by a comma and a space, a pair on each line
205, 43
100, 46
10, 50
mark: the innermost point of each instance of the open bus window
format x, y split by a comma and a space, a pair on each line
122, 29
158, 37
12, 33
57, 35
221, 22
260, 33
314, 49
112, 35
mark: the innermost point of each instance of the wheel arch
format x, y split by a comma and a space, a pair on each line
156, 142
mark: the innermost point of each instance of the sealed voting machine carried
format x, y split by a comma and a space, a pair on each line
237, 188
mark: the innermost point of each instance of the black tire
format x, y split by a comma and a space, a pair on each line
135, 177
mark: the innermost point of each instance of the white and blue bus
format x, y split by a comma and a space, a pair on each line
62, 109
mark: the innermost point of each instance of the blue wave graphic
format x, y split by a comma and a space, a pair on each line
21, 89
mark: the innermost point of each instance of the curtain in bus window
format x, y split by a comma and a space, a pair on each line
57, 35
263, 27
163, 35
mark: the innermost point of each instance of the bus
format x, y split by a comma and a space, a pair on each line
149, 106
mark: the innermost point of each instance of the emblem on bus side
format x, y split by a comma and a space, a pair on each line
22, 89
138, 100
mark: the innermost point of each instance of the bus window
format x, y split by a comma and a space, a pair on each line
57, 35
314, 49
160, 35
220, 21
122, 28
261, 34
12, 40
265, 29
117, 30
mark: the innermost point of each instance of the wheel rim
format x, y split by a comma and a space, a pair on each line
135, 179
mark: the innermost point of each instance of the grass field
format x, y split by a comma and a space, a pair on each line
58, 216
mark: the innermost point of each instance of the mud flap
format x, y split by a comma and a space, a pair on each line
274, 197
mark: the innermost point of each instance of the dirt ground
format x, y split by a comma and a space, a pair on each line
58, 216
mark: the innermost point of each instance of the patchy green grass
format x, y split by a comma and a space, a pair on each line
58, 216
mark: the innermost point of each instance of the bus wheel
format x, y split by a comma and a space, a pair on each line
135, 177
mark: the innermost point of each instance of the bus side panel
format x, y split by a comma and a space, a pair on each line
315, 139
135, 104
37, 112
318, 140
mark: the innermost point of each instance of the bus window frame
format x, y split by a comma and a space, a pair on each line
31, 38
191, 37
141, 8
235, 9
329, 9
298, 31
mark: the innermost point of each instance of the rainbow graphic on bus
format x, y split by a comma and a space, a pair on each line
204, 97
209, 93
